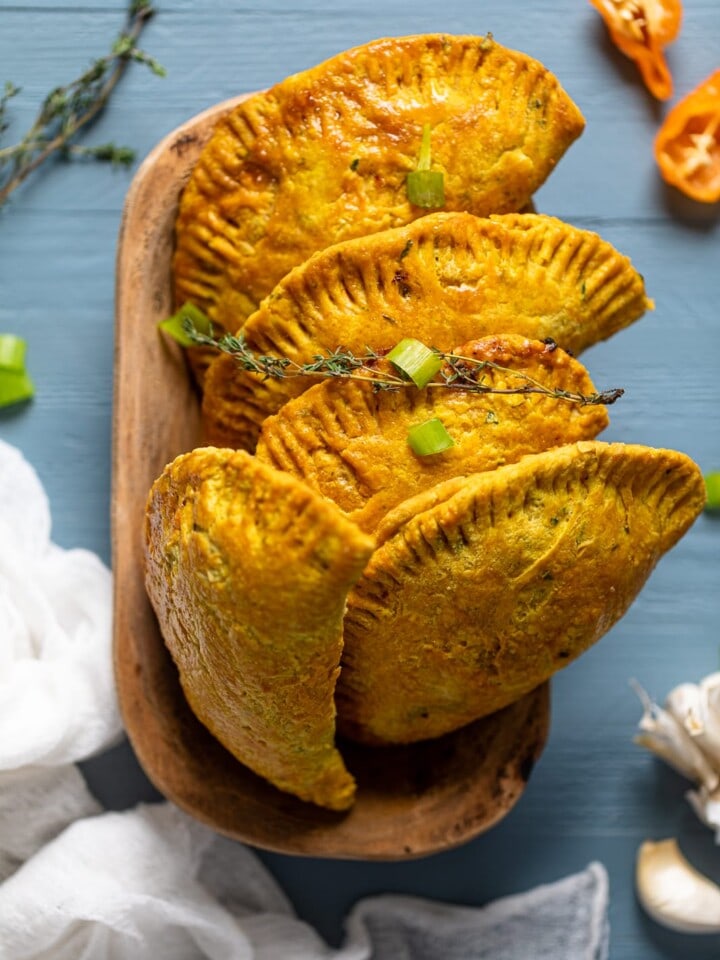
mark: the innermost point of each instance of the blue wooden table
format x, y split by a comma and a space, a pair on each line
594, 795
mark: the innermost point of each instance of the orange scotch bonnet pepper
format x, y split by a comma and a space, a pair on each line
687, 146
641, 29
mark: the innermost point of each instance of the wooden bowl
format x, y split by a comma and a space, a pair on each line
412, 800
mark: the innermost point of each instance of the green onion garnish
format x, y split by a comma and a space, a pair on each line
12, 352
15, 387
415, 360
15, 384
425, 187
187, 316
429, 437
712, 485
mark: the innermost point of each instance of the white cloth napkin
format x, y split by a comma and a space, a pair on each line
57, 702
151, 883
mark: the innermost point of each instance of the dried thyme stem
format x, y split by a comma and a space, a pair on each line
458, 373
68, 109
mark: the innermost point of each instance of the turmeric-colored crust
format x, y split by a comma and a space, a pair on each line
445, 279
349, 442
248, 571
323, 156
481, 591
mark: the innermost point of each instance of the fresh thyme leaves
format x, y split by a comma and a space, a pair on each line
406, 249
107, 152
337, 364
66, 110
9, 91
458, 372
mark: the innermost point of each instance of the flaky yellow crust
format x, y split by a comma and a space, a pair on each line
248, 571
482, 588
323, 156
445, 279
349, 442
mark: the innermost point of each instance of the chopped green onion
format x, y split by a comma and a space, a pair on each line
429, 437
415, 360
15, 384
424, 158
425, 187
187, 316
12, 352
15, 387
712, 485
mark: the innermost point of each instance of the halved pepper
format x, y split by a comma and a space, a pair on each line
687, 146
642, 29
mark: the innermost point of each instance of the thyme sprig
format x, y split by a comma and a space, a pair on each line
468, 374
67, 109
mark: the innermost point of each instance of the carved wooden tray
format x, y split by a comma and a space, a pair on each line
411, 800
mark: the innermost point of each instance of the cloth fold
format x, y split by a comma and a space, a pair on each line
559, 920
151, 883
36, 804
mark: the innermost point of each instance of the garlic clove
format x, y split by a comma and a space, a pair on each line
706, 806
704, 727
683, 700
697, 707
662, 734
711, 684
710, 704
673, 892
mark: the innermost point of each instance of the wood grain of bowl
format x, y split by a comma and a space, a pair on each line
412, 801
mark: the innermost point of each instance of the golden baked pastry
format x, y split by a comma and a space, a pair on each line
485, 586
349, 442
445, 279
248, 572
323, 157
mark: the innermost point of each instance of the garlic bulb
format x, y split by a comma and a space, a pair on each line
673, 892
697, 708
665, 735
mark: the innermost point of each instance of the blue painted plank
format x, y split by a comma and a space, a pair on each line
57, 279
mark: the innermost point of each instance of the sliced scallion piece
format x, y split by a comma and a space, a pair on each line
415, 360
12, 352
176, 325
15, 387
15, 384
425, 187
712, 485
429, 437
